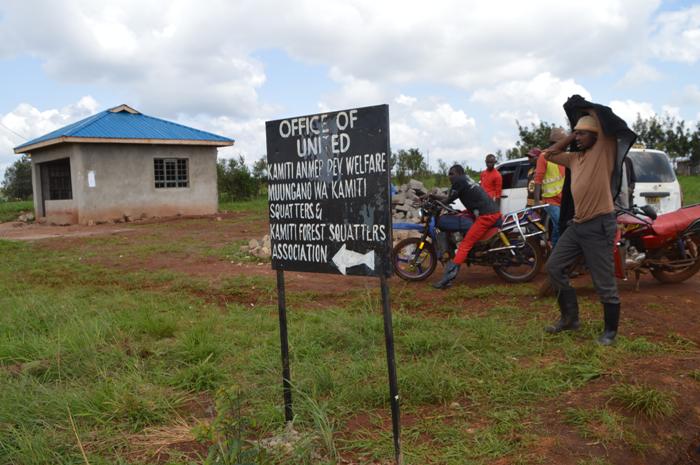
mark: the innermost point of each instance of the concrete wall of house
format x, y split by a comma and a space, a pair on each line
54, 211
124, 182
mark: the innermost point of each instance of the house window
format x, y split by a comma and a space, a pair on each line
56, 176
171, 172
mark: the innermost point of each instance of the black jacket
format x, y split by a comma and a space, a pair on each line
472, 195
611, 125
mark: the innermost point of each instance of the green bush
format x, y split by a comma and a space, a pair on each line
235, 180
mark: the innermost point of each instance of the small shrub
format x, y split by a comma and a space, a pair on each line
226, 434
202, 376
643, 399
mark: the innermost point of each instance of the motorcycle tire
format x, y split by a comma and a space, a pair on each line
403, 254
533, 246
668, 277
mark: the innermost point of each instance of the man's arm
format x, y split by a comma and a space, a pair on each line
556, 154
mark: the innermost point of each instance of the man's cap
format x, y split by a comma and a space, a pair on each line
587, 123
534, 152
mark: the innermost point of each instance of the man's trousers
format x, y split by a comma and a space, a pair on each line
593, 239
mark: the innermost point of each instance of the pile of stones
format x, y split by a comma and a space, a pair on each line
258, 248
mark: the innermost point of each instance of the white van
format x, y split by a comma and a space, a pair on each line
656, 183
514, 174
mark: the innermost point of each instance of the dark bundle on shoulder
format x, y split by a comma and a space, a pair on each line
612, 126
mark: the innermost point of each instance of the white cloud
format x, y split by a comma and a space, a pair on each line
438, 129
353, 92
29, 122
677, 35
405, 100
531, 101
249, 134
197, 56
629, 109
640, 73
194, 61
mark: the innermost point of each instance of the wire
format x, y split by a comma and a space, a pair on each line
13, 132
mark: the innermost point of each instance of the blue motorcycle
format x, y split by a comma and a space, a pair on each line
514, 247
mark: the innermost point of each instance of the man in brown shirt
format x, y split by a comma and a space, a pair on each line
592, 232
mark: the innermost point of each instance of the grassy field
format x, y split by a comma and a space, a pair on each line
690, 186
9, 211
102, 362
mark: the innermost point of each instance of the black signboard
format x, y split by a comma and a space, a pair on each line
328, 192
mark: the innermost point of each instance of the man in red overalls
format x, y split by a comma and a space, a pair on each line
491, 180
476, 200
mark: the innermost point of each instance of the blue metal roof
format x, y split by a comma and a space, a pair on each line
123, 122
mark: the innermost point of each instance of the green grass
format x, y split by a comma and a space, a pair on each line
600, 425
643, 399
258, 205
9, 211
127, 352
690, 186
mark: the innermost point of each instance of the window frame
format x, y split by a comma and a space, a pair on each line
59, 182
171, 173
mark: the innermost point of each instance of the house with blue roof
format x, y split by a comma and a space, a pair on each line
120, 164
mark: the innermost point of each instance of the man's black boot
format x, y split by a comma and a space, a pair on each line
568, 307
611, 315
450, 273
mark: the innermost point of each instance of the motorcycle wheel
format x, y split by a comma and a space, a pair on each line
692, 247
408, 269
523, 273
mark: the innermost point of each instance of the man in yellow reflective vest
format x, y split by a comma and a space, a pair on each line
549, 181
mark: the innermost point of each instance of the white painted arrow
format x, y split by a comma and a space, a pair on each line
345, 258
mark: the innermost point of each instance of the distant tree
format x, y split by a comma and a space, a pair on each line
260, 169
235, 180
664, 133
694, 144
17, 184
529, 137
472, 173
409, 163
441, 173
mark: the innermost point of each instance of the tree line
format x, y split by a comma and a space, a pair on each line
664, 133
238, 181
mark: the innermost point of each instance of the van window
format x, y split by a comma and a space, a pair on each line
651, 167
507, 172
522, 175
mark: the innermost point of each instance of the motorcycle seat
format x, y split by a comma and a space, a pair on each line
672, 223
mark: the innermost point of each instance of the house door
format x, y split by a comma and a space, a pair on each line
55, 182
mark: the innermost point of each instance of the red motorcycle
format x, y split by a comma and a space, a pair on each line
668, 246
